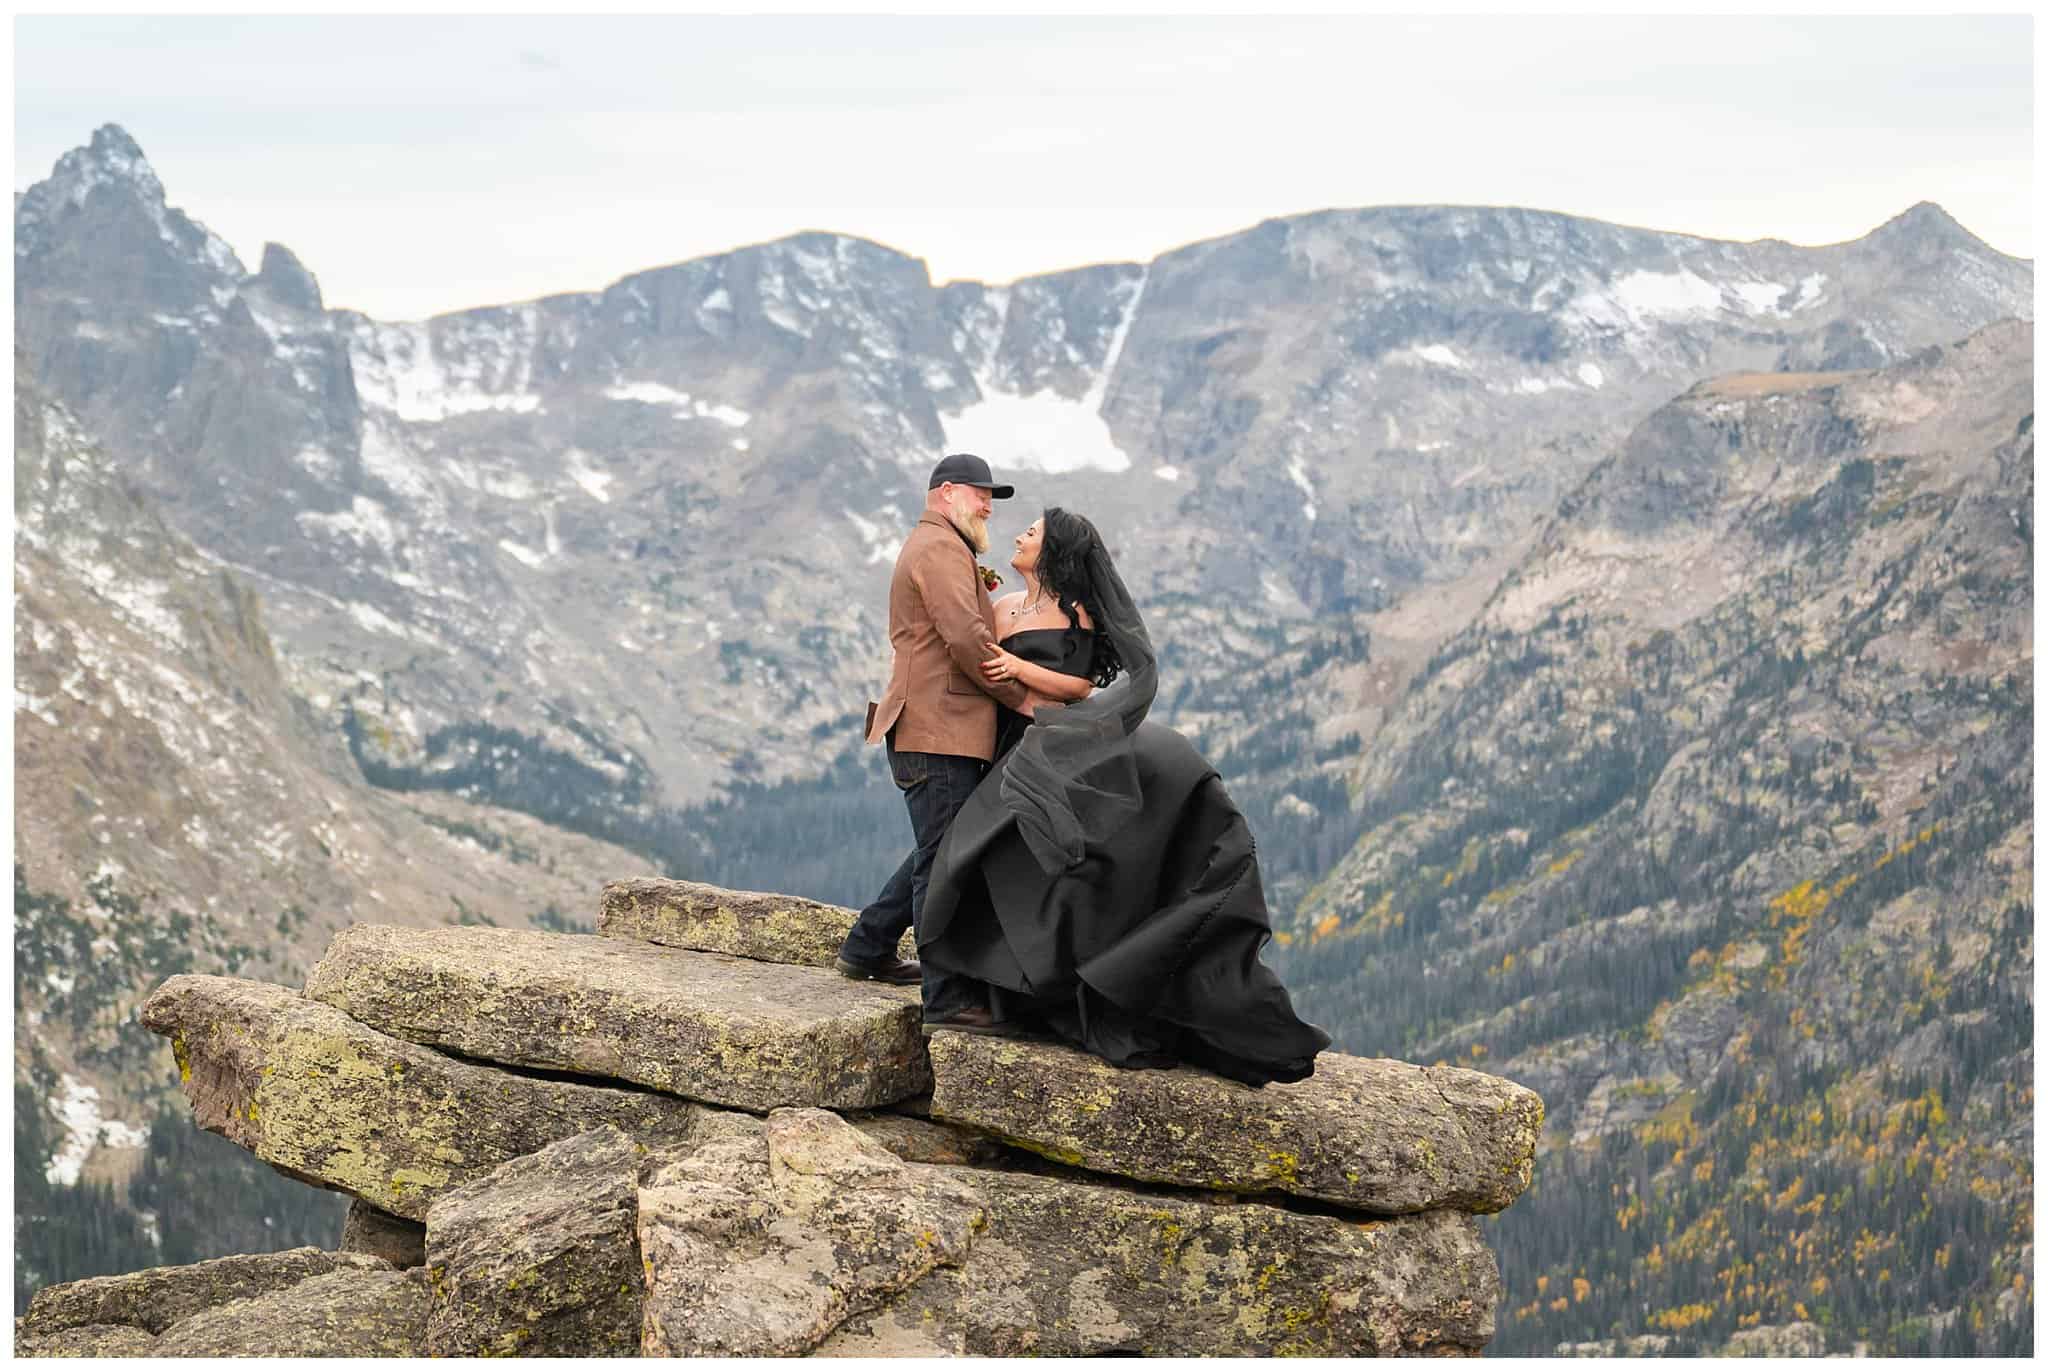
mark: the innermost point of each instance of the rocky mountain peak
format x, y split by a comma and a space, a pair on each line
1926, 229
112, 156
110, 180
286, 279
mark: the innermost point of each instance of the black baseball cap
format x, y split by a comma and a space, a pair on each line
965, 469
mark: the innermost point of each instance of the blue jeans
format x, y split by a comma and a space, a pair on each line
934, 786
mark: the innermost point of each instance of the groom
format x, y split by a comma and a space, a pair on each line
938, 718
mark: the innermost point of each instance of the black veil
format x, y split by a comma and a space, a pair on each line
1074, 773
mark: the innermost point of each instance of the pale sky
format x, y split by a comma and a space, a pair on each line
418, 165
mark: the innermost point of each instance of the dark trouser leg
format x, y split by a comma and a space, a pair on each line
873, 938
933, 802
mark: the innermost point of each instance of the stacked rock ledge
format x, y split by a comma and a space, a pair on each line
729, 1030
687, 1136
326, 1099
1369, 1134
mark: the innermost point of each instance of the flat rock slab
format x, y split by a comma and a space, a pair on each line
155, 1298
1066, 1269
759, 1244
341, 1315
703, 1025
539, 1257
745, 924
330, 1101
1369, 1134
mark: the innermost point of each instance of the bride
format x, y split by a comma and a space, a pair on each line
1099, 881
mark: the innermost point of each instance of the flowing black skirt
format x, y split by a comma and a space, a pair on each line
1146, 951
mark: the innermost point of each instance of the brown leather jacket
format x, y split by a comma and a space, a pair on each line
941, 629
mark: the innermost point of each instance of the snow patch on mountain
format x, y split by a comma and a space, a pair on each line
649, 393
78, 1109
318, 461
1298, 473
654, 393
1641, 298
365, 523
593, 482
1045, 432
388, 456
878, 535
522, 552
1440, 355
137, 601
398, 369
1100, 389
27, 702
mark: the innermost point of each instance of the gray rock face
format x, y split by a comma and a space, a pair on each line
538, 1258
325, 1099
761, 1246
711, 919
1370, 1134
806, 1238
286, 280
340, 1315
714, 1028
86, 1341
156, 1298
399, 1241
1063, 1269
1799, 1339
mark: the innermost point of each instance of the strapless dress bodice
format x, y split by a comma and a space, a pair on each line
1068, 651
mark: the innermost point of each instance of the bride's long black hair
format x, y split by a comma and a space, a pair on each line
1063, 557
1074, 772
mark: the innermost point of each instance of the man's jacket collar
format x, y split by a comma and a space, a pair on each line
934, 517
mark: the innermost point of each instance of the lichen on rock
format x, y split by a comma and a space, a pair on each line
1370, 1134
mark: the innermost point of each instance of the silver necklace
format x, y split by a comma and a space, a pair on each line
1023, 610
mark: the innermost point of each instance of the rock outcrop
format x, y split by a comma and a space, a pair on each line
711, 919
538, 1258
340, 1315
158, 1297
166, 1311
729, 1030
331, 1101
530, 1125
764, 1244
1464, 1140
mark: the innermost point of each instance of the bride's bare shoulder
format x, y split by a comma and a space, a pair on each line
1082, 617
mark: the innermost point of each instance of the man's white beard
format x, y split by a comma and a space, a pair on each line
974, 528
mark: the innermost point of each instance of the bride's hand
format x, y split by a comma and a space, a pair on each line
1001, 667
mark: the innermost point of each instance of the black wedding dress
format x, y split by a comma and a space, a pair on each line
1146, 950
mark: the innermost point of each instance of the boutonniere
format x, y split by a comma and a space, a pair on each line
988, 576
